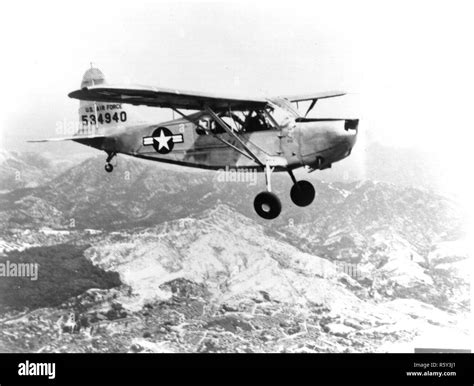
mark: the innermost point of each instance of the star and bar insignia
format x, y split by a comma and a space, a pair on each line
163, 140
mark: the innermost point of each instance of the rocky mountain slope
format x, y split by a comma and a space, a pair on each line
367, 265
219, 281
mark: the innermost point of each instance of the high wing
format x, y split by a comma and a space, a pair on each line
313, 98
167, 98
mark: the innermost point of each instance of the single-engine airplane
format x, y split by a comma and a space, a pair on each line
266, 135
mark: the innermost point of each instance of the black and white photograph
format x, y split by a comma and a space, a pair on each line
236, 177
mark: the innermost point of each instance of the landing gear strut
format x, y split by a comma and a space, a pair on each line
302, 192
267, 204
108, 166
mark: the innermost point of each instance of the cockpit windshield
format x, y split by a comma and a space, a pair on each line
282, 115
285, 105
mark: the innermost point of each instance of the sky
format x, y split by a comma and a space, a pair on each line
407, 65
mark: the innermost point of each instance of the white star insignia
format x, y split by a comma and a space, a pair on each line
162, 140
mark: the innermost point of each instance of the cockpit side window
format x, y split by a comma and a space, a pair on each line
249, 121
256, 121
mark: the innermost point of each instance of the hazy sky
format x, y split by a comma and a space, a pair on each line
407, 64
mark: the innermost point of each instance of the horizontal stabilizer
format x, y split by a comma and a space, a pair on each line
73, 138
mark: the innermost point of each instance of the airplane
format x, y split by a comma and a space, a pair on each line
262, 134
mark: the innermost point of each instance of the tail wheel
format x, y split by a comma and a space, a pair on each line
267, 205
109, 167
302, 193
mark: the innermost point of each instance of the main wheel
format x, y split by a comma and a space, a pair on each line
302, 193
109, 167
267, 205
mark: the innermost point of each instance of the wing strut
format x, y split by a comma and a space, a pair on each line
231, 132
311, 106
196, 122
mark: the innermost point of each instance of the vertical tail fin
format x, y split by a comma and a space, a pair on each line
100, 118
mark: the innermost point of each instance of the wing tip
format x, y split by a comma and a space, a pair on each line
319, 95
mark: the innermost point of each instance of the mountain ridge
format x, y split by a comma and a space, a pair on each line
368, 264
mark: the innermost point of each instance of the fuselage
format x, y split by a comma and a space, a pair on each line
274, 133
315, 143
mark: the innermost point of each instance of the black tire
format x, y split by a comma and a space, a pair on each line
302, 193
267, 205
109, 167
